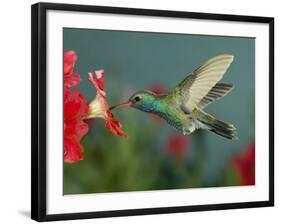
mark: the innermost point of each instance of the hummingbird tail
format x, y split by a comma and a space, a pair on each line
218, 127
224, 129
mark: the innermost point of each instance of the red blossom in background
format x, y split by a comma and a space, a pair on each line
244, 164
99, 106
178, 145
75, 108
158, 89
69, 60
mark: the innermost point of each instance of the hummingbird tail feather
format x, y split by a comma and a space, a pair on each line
218, 127
228, 131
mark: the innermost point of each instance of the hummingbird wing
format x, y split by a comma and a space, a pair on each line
217, 92
197, 85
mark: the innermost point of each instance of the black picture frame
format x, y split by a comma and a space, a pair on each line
38, 108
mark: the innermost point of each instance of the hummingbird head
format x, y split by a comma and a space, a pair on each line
142, 100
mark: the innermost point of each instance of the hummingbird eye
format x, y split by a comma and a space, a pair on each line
137, 98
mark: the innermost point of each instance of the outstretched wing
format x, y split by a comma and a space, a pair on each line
217, 92
197, 85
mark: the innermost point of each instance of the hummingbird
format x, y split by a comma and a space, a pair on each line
182, 107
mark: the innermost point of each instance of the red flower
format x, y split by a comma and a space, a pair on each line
158, 89
69, 60
177, 145
244, 164
99, 106
75, 108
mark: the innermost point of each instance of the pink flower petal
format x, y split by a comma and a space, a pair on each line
69, 60
114, 125
73, 150
75, 109
111, 124
98, 83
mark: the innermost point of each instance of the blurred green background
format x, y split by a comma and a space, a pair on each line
155, 156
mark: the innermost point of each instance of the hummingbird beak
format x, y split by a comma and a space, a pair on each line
125, 104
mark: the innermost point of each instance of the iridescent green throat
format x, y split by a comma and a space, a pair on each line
152, 104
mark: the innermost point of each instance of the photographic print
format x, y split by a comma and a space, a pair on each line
186, 119
140, 111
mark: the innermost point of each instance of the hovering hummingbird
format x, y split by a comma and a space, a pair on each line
183, 107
